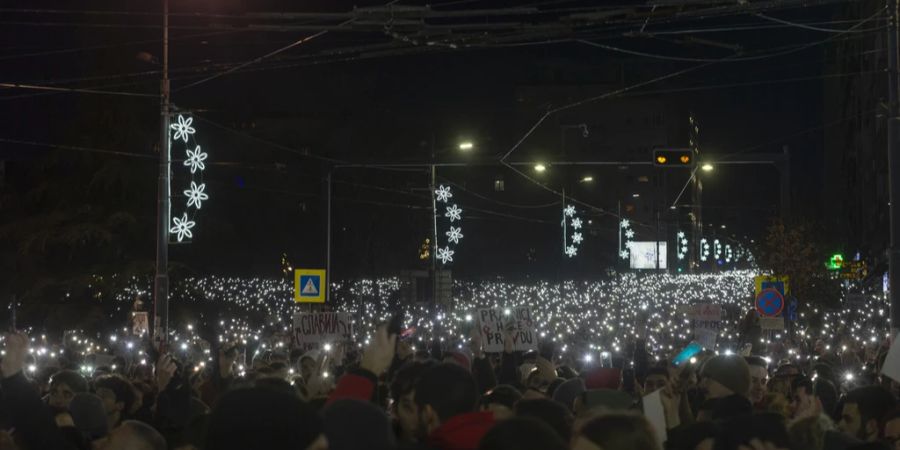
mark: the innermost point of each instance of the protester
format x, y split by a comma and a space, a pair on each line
118, 397
447, 398
522, 433
723, 376
616, 432
864, 411
63, 387
759, 377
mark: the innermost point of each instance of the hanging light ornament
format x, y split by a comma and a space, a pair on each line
453, 213
571, 220
181, 132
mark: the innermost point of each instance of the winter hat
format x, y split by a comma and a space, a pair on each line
607, 399
353, 424
261, 417
89, 416
460, 358
729, 371
603, 378
503, 394
568, 391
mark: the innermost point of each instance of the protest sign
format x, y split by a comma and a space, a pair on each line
321, 327
493, 322
891, 367
656, 415
707, 319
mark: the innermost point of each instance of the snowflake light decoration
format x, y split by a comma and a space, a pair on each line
182, 227
628, 234
571, 243
704, 249
717, 249
196, 195
183, 128
183, 133
729, 253
445, 255
681, 244
443, 194
195, 159
454, 235
453, 213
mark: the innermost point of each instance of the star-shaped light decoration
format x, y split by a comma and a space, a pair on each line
629, 234
182, 227
623, 254
454, 235
195, 159
577, 238
196, 195
183, 128
624, 223
453, 213
569, 211
571, 251
443, 193
576, 223
445, 255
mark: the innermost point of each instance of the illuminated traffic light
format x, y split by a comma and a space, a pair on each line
681, 157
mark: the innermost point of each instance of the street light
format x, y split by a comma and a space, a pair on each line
539, 168
587, 179
707, 167
466, 146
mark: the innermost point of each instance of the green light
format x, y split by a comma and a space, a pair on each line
836, 262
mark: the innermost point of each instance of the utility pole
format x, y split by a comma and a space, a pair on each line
434, 273
696, 199
328, 241
163, 205
893, 164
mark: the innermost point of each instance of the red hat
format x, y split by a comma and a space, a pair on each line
603, 378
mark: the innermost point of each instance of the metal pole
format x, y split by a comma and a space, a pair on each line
785, 177
161, 282
893, 164
565, 234
328, 243
434, 274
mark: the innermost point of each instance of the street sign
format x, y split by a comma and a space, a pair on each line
769, 303
780, 283
309, 286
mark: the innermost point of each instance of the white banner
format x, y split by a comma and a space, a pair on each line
492, 323
321, 327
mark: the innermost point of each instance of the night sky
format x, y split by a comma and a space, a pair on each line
275, 129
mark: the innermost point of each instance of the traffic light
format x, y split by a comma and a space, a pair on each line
682, 157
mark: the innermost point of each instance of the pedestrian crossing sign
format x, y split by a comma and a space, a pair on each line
309, 286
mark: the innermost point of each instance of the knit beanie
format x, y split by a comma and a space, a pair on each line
567, 392
729, 371
503, 394
261, 417
88, 415
353, 424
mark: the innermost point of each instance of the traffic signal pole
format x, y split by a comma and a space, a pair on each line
893, 164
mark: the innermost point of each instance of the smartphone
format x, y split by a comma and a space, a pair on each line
689, 352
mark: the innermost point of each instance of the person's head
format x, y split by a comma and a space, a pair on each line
892, 429
759, 376
353, 424
803, 392
521, 433
403, 392
118, 397
726, 375
263, 418
134, 435
657, 378
63, 387
616, 432
444, 391
554, 414
568, 391
864, 408
501, 401
809, 432
89, 416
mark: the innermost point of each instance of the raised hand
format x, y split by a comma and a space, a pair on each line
379, 354
16, 349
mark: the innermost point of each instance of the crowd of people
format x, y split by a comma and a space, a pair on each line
800, 393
